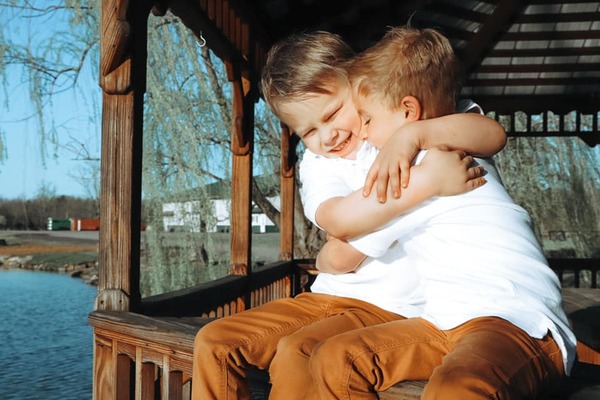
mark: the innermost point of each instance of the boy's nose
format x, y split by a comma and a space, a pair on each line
329, 137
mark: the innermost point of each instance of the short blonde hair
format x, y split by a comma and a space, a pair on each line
302, 64
409, 62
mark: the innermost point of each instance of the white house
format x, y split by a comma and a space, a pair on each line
185, 216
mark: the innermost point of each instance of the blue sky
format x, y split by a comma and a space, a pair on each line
30, 163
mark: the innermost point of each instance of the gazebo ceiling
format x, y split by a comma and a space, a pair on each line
532, 55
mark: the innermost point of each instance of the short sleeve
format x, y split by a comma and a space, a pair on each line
321, 181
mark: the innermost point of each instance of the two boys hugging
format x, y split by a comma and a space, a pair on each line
440, 282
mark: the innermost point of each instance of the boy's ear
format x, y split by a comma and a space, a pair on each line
411, 107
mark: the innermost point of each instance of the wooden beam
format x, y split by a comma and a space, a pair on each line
551, 35
557, 17
538, 68
457, 12
231, 30
488, 34
195, 16
567, 82
544, 52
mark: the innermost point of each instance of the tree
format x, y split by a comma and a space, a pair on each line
188, 115
44, 50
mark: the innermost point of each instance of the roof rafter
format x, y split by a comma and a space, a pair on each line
492, 29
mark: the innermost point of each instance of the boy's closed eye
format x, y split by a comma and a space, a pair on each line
306, 134
333, 114
365, 118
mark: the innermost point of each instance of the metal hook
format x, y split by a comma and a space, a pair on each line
201, 40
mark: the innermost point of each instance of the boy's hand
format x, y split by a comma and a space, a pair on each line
392, 164
452, 172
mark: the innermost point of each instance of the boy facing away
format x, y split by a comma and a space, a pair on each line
279, 335
492, 324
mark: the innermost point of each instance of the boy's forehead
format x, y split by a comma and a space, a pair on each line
291, 107
304, 113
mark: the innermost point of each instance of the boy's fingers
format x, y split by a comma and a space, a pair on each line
404, 174
394, 182
382, 184
395, 185
475, 172
369, 182
475, 183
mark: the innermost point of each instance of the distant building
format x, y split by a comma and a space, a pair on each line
186, 215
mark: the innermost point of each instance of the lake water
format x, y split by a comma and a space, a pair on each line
45, 341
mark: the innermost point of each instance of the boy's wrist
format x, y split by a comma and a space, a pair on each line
421, 134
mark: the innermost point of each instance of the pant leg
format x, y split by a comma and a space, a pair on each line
491, 358
225, 347
289, 371
357, 364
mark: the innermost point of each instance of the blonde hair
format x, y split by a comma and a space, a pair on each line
302, 64
409, 62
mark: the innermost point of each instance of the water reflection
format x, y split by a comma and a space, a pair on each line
45, 341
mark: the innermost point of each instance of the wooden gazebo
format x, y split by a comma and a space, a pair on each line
535, 57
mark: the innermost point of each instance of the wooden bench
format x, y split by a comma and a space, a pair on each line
157, 353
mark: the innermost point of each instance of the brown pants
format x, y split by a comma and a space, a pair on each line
327, 347
279, 337
485, 358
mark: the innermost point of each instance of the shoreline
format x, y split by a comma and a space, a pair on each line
86, 271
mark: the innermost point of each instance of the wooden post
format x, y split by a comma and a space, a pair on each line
242, 137
122, 79
288, 163
123, 38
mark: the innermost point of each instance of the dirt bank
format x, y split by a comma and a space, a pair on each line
31, 249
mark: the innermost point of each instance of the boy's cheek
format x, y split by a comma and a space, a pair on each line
310, 145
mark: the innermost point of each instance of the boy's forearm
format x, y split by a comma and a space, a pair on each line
338, 257
355, 215
474, 133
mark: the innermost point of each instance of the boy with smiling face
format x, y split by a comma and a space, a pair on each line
279, 335
492, 324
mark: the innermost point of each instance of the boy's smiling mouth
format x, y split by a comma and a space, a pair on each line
345, 148
342, 145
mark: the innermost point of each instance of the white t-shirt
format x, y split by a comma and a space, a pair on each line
479, 257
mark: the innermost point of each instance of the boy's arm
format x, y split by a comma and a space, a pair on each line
441, 173
473, 133
338, 257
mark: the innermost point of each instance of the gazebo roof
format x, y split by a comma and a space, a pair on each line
533, 56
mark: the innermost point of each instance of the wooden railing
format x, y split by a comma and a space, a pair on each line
577, 272
149, 356
230, 294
